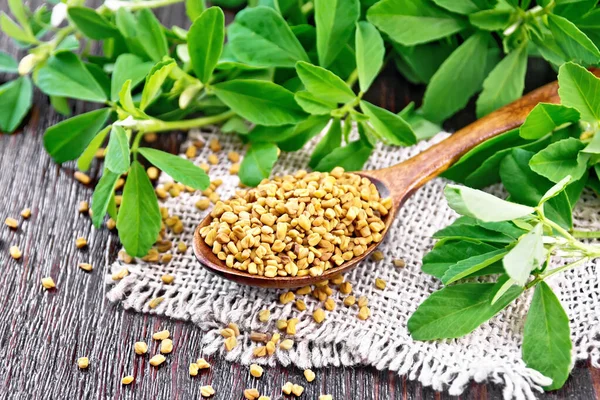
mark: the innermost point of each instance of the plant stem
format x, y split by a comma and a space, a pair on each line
586, 234
161, 126
308, 7
352, 78
563, 268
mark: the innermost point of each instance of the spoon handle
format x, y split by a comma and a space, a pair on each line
404, 178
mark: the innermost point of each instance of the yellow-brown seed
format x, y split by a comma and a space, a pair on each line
157, 360
329, 304
256, 370
377, 256
207, 391
202, 364
152, 173
287, 297
364, 313
205, 167
233, 156
234, 169
111, 224
234, 327
345, 288
286, 344
290, 329
83, 362
203, 204
319, 315
380, 283
226, 332
399, 263
100, 153
84, 206
309, 375
140, 348
81, 177
325, 397
11, 223
213, 159
181, 247
264, 315
251, 394
363, 301
287, 388
349, 301
150, 137
264, 398
166, 346
300, 305
193, 369
230, 343
259, 351
281, 324
15, 252
190, 152
86, 267
297, 390
168, 279
120, 274
214, 145
161, 335
48, 283
165, 258
303, 290
270, 348
80, 242
127, 380
26, 213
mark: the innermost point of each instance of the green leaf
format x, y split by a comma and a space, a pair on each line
369, 54
419, 63
312, 104
492, 20
389, 126
205, 42
127, 101
261, 37
323, 84
103, 192
561, 159
411, 22
302, 133
260, 102
448, 253
154, 80
139, 219
505, 83
257, 163
593, 147
545, 118
330, 141
178, 168
457, 79
92, 24
193, 8
579, 88
467, 228
335, 21
12, 29
464, 6
85, 159
575, 44
17, 8
547, 337
457, 310
61, 105
151, 36
65, 75
527, 187
128, 26
351, 157
483, 206
422, 127
128, 66
117, 151
469, 266
8, 63
66, 140
15, 102
529, 254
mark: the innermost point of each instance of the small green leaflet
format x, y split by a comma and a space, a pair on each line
469, 266
8, 63
66, 140
351, 157
556, 189
324, 84
422, 127
390, 127
261, 37
574, 43
65, 75
411, 22
505, 83
545, 118
369, 54
529, 254
301, 133
464, 6
178, 168
419, 63
467, 228
102, 194
205, 42
151, 36
312, 104
579, 88
260, 102
483, 206
61, 105
154, 80
12, 29
560, 159
128, 66
492, 20
330, 141
92, 24
193, 8
547, 337
257, 163
117, 151
335, 21
15, 102
127, 101
139, 219
457, 310
85, 159
18, 9
447, 253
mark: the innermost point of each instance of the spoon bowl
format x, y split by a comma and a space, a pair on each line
398, 182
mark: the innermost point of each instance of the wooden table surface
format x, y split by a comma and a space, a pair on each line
42, 333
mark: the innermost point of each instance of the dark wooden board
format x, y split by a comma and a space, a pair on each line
42, 333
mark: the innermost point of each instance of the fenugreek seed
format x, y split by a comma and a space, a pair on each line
213, 159
126, 258
80, 243
111, 224
48, 283
286, 344
300, 305
226, 332
167, 278
349, 301
234, 327
230, 343
380, 283
234, 169
127, 380
319, 315
287, 388
86, 267
329, 304
81, 177
174, 191
270, 347
309, 375
303, 290
26, 213
363, 301
120, 274
399, 263
161, 193
259, 351
150, 137
291, 326
190, 152
166, 346
11, 223
84, 206
140, 348
203, 204
193, 369
205, 167
152, 173
325, 397
345, 288
286, 297
264, 315
258, 336
214, 145
157, 360
281, 324
256, 370
233, 156
264, 398
161, 335
83, 362
15, 252
207, 391
297, 390
165, 258
181, 247
364, 313
251, 394
377, 256
275, 338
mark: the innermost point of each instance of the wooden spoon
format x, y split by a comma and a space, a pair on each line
399, 181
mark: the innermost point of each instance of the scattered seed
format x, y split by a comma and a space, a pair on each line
287, 388
48, 283
303, 290
84, 206
270, 348
251, 394
152, 173
287, 297
380, 283
168, 279
126, 258
309, 375
329, 304
281, 324
140, 348
205, 167
202, 364
161, 335
297, 390
181, 247
26, 213
260, 351
363, 301
11, 223
203, 204
226, 332
161, 193
256, 370
165, 258
190, 152
399, 263
100, 153
120, 274
207, 391
345, 288
155, 302
300, 305
233, 156
15, 252
157, 360
258, 337
81, 177
319, 315
111, 224
215, 145
213, 159
349, 301
83, 362
286, 344
150, 137
127, 380
264, 398
264, 315
86, 267
291, 326
234, 327
325, 397
230, 343
80, 242
377, 256
234, 169
193, 369
364, 313
166, 346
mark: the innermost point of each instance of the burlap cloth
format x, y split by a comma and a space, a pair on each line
491, 352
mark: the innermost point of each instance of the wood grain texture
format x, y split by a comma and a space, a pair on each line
43, 332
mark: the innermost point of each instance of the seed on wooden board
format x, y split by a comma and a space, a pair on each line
84, 206
111, 224
286, 344
168, 279
399, 263
120, 274
202, 364
127, 380
48, 283
300, 305
264, 398
15, 252
156, 360
380, 283
166, 346
297, 390
193, 369
81, 242
26, 213
325, 397
161, 335
256, 370
81, 177
287, 388
264, 315
251, 394
86, 267
83, 362
11, 223
207, 391
230, 343
140, 348
319, 315
309, 375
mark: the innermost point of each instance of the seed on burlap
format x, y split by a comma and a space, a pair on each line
230, 343
120, 274
363, 301
127, 380
203, 204
168, 279
233, 156
281, 324
364, 313
234, 169
291, 326
303, 290
286, 297
329, 304
345, 288
349, 301
215, 145
260, 351
377, 256
258, 337
286, 344
190, 152
380, 283
270, 348
399, 263
213, 159
300, 305
264, 315
319, 315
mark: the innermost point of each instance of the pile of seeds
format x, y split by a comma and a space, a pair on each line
298, 224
